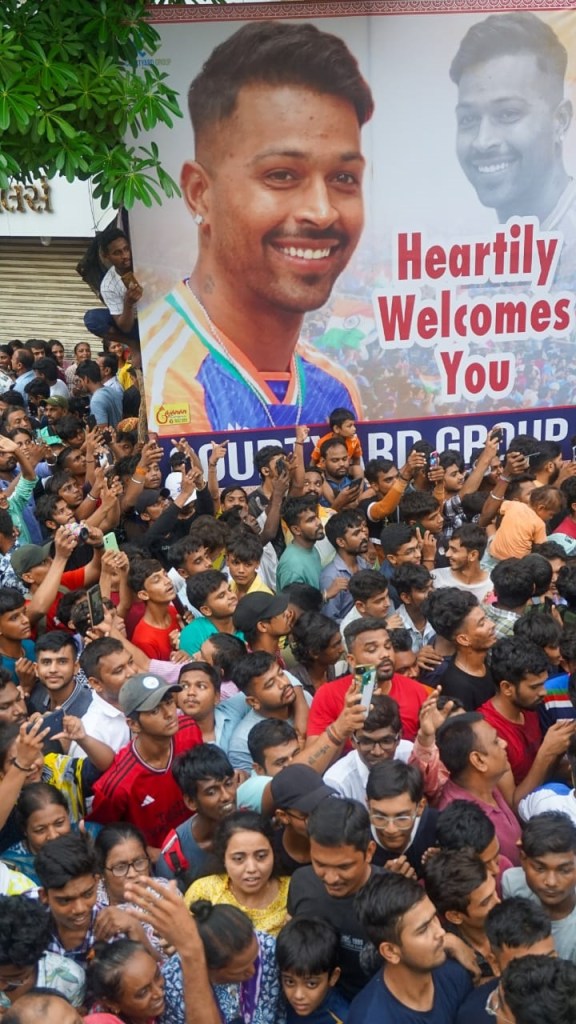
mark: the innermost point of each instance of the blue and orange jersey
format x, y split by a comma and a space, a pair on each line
197, 382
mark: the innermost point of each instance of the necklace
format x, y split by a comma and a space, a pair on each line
252, 386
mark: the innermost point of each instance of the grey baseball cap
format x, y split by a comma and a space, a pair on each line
144, 692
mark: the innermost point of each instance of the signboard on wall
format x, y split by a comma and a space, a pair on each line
398, 236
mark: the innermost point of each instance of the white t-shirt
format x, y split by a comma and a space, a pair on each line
102, 721
113, 291
446, 578
349, 775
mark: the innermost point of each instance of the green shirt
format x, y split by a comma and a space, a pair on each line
196, 632
299, 565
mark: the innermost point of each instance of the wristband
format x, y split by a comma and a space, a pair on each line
325, 596
135, 481
92, 498
496, 497
21, 767
400, 477
299, 442
140, 471
506, 479
332, 736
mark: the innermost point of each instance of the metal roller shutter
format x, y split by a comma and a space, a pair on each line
41, 295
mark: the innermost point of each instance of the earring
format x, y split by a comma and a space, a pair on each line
198, 219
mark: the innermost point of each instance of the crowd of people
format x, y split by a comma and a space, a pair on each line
299, 752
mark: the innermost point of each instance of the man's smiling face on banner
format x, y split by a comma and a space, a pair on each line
510, 123
282, 201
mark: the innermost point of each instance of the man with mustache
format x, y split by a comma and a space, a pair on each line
276, 192
369, 645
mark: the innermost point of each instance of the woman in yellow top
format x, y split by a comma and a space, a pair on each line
243, 845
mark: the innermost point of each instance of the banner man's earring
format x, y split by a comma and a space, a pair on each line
198, 219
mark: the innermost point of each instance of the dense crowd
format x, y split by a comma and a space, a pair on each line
304, 751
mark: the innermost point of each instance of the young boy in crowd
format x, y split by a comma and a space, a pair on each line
307, 955
211, 594
343, 426
243, 554
208, 784
548, 875
151, 584
403, 825
464, 892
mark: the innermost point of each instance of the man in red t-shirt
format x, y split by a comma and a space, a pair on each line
369, 644
139, 786
152, 585
520, 671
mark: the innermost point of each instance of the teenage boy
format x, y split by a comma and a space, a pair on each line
263, 619
17, 649
244, 552
413, 584
400, 546
464, 892
369, 644
107, 666
273, 744
458, 618
514, 928
139, 786
307, 956
199, 698
347, 535
548, 875
369, 592
211, 594
520, 671
270, 694
376, 742
301, 562
387, 485
476, 759
68, 874
208, 784
341, 851
513, 584
464, 825
187, 557
56, 669
417, 983
151, 584
403, 825
465, 551
534, 989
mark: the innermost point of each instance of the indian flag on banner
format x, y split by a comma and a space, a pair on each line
351, 326
429, 381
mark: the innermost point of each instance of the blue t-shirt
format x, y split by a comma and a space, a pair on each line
334, 1010
473, 1009
29, 649
376, 1004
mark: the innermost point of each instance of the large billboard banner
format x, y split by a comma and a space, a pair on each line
378, 211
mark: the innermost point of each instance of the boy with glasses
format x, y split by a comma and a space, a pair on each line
403, 826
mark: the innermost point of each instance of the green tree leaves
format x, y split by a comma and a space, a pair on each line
72, 92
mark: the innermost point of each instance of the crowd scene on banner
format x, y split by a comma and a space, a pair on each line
304, 751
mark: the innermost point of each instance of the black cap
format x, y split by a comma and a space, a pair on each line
299, 788
258, 607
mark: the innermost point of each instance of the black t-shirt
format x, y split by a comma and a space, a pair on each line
425, 838
471, 690
284, 860
307, 896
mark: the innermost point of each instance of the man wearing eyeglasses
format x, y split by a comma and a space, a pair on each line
403, 826
375, 743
